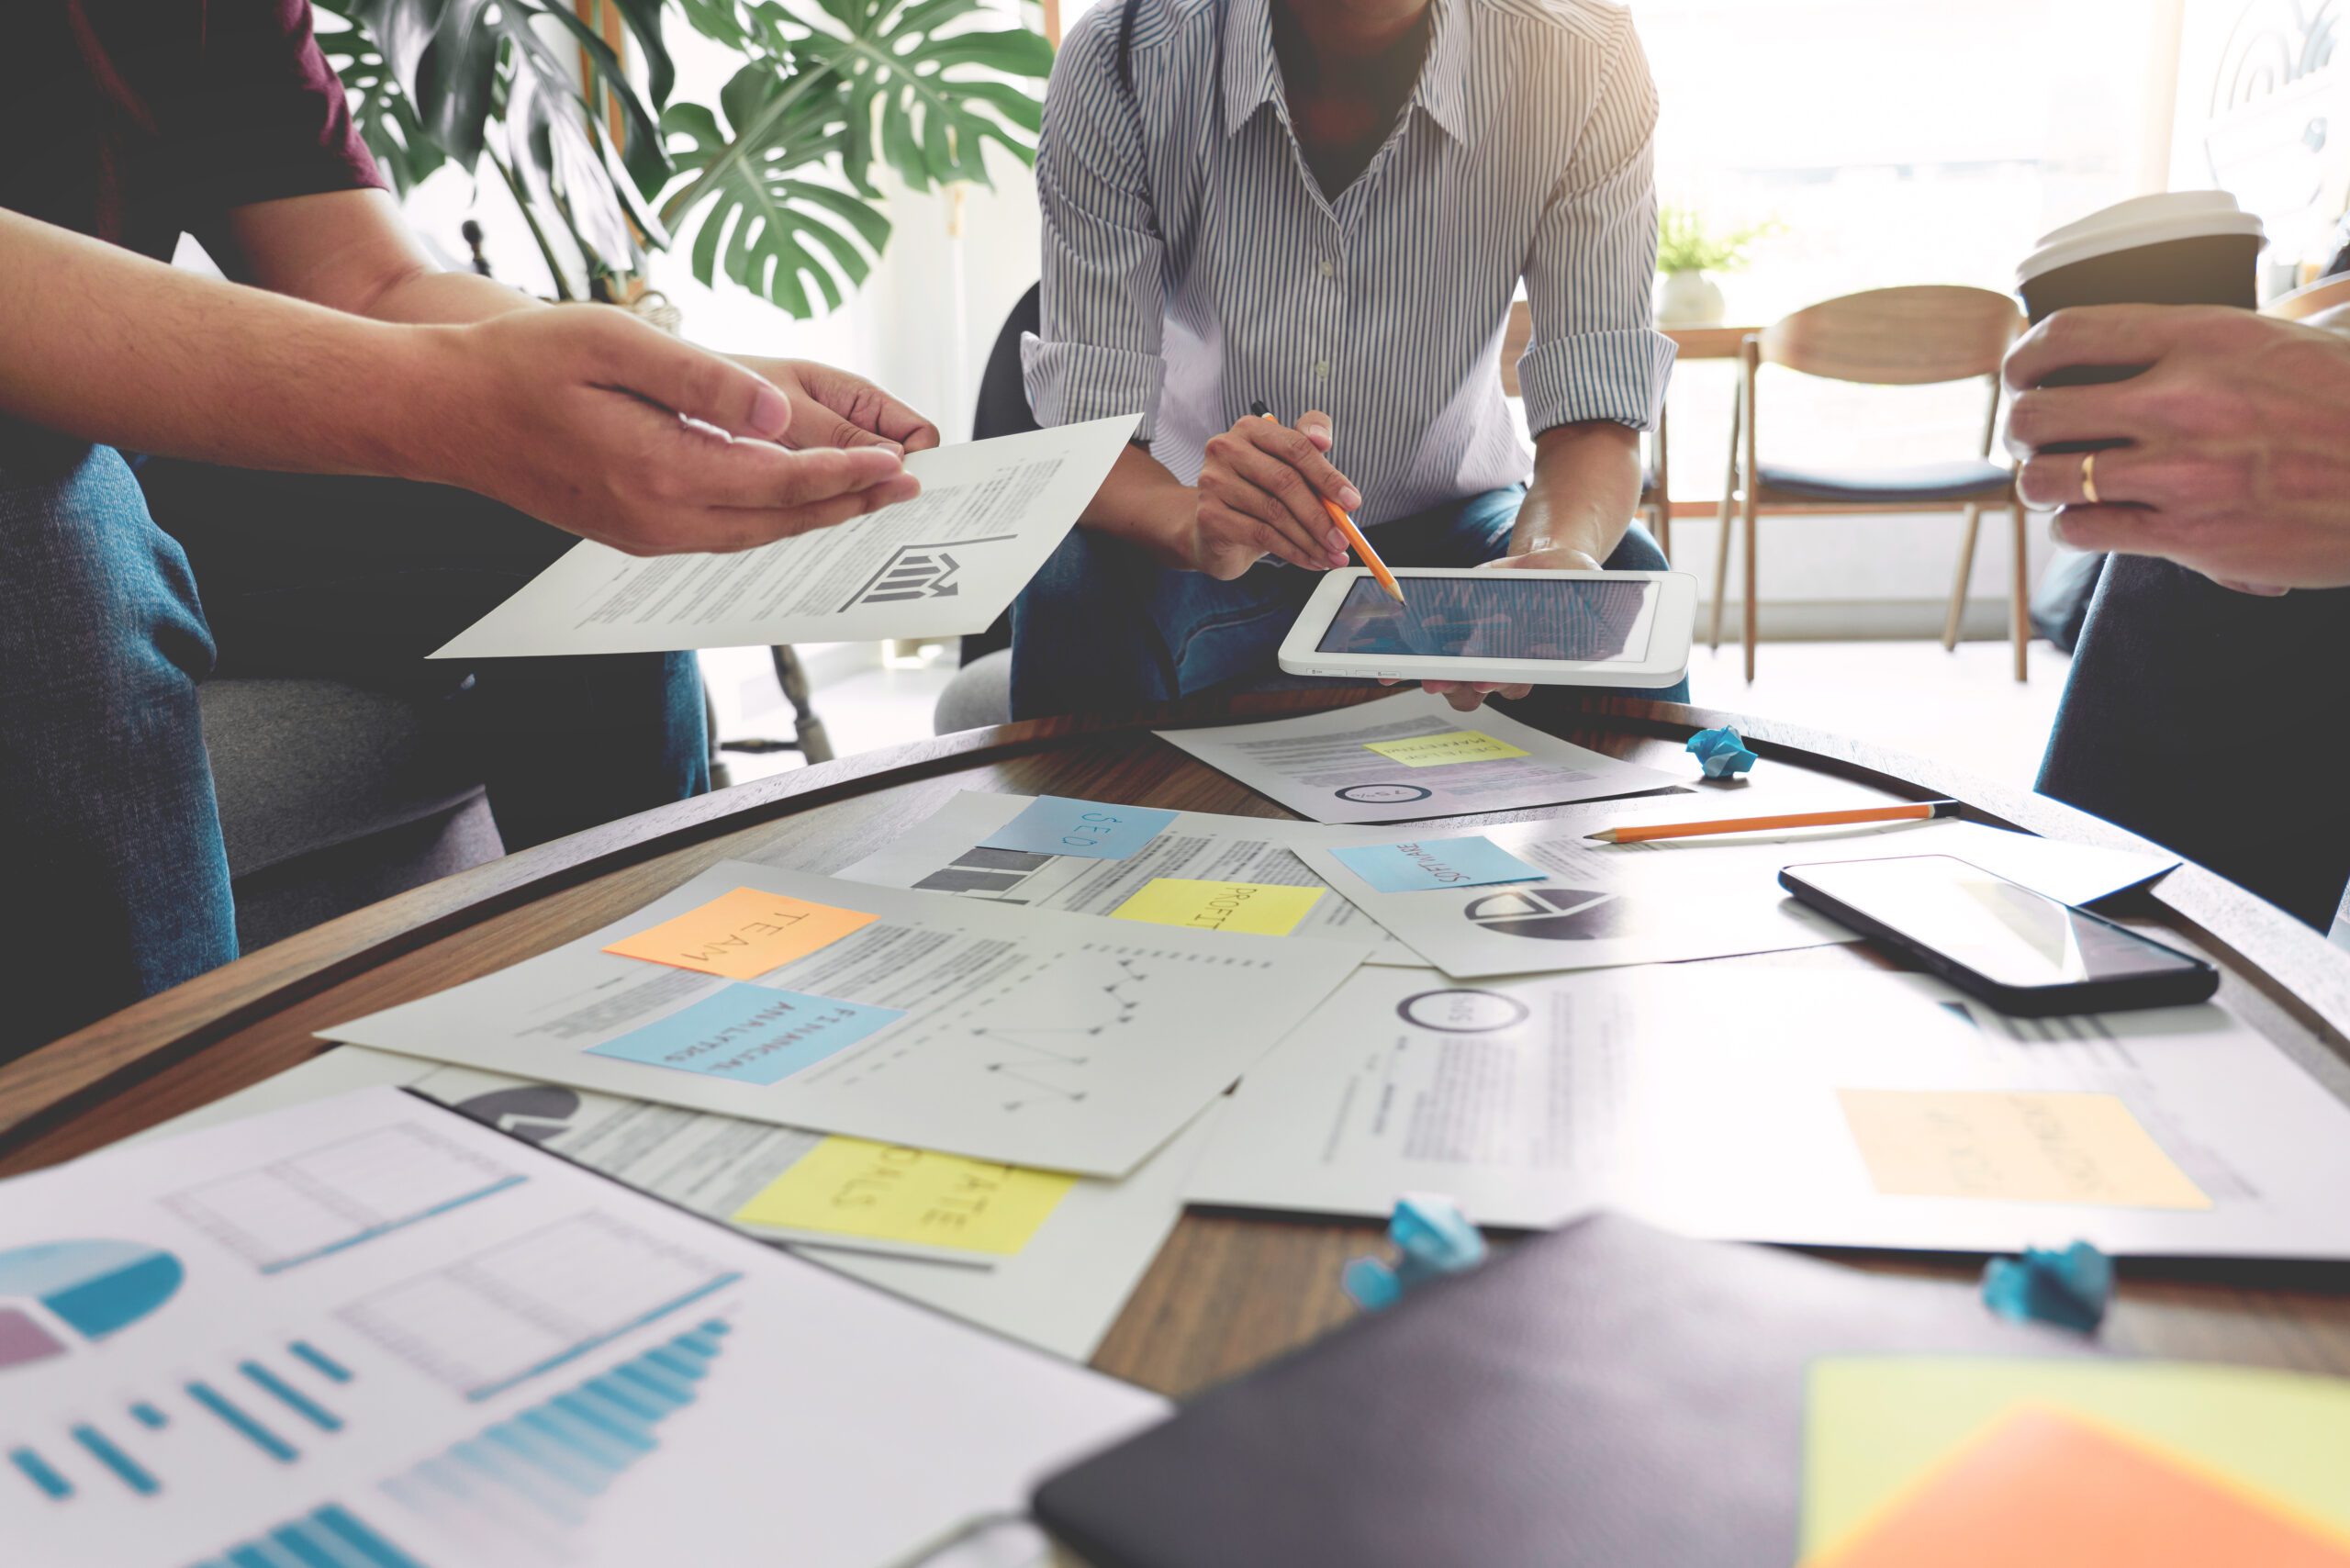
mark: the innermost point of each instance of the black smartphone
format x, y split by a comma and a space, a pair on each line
2018, 950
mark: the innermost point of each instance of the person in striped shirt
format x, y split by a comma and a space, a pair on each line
1329, 206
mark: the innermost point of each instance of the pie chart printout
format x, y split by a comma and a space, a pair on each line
62, 1290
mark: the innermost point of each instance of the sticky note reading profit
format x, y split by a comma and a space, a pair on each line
889, 1193
1254, 909
742, 934
1449, 747
1052, 826
2014, 1147
752, 1034
1431, 863
2043, 1489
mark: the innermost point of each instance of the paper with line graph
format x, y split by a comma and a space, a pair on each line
942, 564
1030, 1036
371, 1331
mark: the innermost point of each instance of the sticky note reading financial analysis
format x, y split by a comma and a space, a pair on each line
1052, 826
889, 1192
1254, 909
1446, 747
2014, 1147
1431, 863
752, 1034
742, 934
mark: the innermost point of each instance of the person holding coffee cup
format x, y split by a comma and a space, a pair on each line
2206, 449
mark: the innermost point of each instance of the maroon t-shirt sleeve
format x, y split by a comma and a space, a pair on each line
268, 120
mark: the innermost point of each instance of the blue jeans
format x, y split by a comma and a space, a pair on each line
1100, 629
2214, 723
109, 830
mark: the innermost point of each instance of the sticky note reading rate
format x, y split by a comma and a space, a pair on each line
888, 1192
1446, 747
2014, 1147
1052, 826
1254, 909
742, 934
1431, 863
2043, 1489
752, 1034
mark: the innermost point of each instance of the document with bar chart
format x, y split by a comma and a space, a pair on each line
369, 1333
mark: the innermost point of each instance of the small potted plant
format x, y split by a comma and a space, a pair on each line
1685, 253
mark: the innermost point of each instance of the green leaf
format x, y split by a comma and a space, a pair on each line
801, 244
935, 77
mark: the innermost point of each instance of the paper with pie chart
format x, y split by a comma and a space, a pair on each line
1747, 1101
1051, 1041
944, 564
368, 1332
1410, 757
1600, 905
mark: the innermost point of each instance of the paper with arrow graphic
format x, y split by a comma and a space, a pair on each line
1028, 1037
942, 564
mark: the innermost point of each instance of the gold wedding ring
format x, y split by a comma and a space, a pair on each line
2089, 479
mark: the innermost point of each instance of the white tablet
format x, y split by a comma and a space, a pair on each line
1542, 628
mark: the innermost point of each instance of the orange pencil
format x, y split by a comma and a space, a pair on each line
1919, 811
1347, 526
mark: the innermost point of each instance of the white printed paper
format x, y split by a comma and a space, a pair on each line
369, 1331
944, 853
1032, 1037
944, 564
1323, 766
1060, 1293
1672, 900
1707, 1099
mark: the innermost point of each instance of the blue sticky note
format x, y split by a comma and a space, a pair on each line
1052, 826
1428, 863
751, 1034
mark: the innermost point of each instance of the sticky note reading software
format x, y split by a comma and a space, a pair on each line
742, 934
1446, 747
889, 1193
1428, 864
1254, 909
2014, 1147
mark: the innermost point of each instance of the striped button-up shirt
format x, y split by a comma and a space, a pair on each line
1192, 265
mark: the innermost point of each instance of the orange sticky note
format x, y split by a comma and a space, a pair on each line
742, 934
2045, 1490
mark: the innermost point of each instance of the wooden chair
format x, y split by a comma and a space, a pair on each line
1656, 509
2311, 299
1886, 337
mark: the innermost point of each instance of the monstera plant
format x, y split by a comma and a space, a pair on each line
773, 184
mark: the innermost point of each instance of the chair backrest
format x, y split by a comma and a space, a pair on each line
1898, 337
1002, 407
1515, 337
2311, 299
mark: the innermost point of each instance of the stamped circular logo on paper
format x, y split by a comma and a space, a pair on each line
1383, 794
1462, 1012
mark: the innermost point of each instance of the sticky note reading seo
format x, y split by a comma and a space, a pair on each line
1444, 748
1435, 863
1254, 909
1052, 826
751, 1034
888, 1192
2014, 1147
742, 934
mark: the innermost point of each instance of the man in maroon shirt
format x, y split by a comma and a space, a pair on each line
337, 350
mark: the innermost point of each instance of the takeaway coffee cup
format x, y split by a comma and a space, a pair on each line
2183, 248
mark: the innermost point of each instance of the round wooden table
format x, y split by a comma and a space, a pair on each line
1227, 1292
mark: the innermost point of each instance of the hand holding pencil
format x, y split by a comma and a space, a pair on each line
1283, 492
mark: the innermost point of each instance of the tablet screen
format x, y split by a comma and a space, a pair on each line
1498, 615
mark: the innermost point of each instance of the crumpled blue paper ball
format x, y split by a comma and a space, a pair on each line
1432, 1237
2069, 1288
1721, 752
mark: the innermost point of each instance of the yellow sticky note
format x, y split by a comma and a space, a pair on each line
2014, 1147
1255, 909
742, 934
1446, 747
888, 1192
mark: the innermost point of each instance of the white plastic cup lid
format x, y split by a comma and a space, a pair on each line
2141, 220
